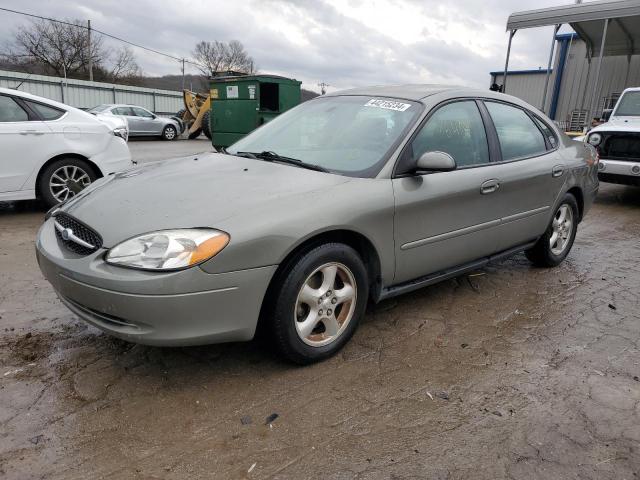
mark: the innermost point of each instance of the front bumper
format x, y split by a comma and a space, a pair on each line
188, 307
617, 171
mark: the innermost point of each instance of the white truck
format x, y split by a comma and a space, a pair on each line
618, 141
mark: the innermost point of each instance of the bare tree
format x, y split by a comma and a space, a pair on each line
221, 57
123, 65
62, 49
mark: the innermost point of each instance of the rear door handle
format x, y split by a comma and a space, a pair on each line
31, 132
489, 186
557, 171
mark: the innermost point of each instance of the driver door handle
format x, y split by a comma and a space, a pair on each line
489, 186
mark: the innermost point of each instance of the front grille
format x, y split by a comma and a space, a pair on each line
78, 230
620, 146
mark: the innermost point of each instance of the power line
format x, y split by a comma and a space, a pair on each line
42, 18
105, 34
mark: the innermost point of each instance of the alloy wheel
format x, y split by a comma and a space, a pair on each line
169, 133
325, 304
67, 181
562, 226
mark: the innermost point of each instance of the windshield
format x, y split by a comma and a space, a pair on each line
344, 134
629, 105
99, 108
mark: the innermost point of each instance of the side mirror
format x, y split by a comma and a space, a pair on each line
606, 114
435, 162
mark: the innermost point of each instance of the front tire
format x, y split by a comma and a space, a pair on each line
195, 134
206, 126
318, 303
554, 246
169, 133
64, 179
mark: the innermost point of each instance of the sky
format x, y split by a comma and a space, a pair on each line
344, 43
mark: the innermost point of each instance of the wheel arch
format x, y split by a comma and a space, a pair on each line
579, 196
76, 156
359, 242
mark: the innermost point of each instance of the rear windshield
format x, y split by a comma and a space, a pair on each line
99, 108
629, 105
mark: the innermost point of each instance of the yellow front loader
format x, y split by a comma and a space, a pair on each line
195, 115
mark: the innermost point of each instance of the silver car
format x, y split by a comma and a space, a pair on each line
348, 198
141, 121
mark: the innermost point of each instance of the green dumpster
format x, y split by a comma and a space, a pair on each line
239, 104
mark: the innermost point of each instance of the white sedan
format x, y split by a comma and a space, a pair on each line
52, 151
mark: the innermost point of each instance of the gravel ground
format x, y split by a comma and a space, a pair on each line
509, 372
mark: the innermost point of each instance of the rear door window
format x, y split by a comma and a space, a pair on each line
141, 112
10, 111
519, 136
123, 111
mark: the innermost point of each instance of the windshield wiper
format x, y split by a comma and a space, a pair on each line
274, 157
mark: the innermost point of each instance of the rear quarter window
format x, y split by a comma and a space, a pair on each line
547, 132
46, 112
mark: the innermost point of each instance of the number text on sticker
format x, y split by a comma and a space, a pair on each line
387, 104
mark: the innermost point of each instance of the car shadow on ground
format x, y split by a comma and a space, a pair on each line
22, 206
626, 196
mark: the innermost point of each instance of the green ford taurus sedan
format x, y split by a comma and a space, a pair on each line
347, 199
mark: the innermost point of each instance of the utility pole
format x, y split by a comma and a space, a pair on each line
323, 87
90, 53
183, 73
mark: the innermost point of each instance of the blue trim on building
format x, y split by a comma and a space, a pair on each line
518, 72
568, 36
564, 49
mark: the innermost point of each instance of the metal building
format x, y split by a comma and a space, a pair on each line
84, 94
587, 70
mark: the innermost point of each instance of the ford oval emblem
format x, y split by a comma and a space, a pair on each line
66, 233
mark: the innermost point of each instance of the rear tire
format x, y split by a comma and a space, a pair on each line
169, 133
318, 303
63, 179
554, 245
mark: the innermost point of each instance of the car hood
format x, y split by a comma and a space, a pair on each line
207, 190
619, 124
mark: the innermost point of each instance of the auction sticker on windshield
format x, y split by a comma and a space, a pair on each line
387, 104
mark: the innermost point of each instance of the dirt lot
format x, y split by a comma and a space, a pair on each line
511, 372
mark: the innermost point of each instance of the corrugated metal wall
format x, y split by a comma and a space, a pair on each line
526, 86
84, 94
576, 89
578, 79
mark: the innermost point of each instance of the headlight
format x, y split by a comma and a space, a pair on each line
121, 132
595, 139
168, 249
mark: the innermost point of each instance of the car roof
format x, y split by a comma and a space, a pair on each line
36, 98
418, 92
111, 105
